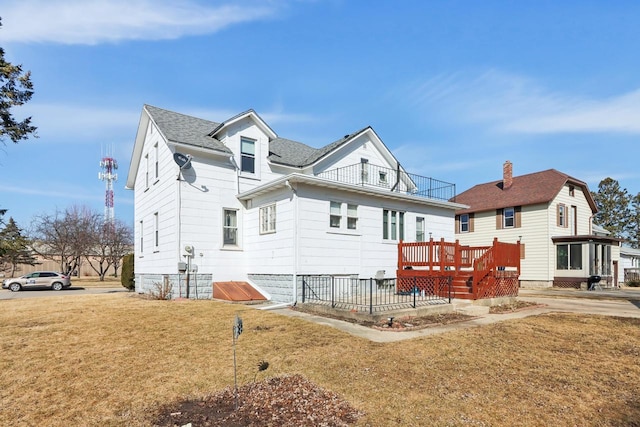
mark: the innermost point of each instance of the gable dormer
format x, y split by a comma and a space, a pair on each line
248, 137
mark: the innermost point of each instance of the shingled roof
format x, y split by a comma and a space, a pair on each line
183, 129
531, 189
189, 130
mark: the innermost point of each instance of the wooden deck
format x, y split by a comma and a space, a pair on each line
476, 272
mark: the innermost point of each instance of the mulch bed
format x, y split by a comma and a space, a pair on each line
290, 400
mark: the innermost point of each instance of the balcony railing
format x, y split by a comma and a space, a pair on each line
396, 180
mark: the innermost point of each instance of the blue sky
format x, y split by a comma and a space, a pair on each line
453, 88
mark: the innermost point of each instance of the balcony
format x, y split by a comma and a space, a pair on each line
396, 180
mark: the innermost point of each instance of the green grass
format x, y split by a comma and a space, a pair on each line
101, 360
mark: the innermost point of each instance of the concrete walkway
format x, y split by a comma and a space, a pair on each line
622, 303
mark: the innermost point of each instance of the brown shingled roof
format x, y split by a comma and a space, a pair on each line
534, 188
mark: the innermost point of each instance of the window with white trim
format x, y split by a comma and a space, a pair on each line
420, 229
464, 223
156, 160
392, 225
335, 214
352, 216
230, 227
509, 218
156, 230
141, 237
247, 155
146, 174
268, 219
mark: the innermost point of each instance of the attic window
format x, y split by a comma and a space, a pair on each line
248, 155
572, 191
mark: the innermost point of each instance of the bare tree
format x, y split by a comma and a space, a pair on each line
66, 236
112, 242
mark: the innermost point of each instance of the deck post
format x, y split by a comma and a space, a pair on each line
443, 255
333, 304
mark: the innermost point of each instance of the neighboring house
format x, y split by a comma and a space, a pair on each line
251, 206
551, 214
629, 264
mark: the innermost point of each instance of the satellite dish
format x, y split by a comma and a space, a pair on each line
182, 160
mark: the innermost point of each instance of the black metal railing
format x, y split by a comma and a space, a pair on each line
375, 295
397, 180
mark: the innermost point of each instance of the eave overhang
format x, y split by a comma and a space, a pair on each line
296, 178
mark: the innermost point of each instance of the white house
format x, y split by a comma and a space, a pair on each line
233, 201
551, 214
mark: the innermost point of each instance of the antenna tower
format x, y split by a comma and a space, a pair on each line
108, 175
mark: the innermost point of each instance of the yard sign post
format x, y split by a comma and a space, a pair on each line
237, 330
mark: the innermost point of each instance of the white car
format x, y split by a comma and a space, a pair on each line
49, 279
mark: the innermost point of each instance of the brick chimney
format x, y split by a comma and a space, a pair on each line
507, 175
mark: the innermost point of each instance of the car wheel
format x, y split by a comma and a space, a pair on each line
15, 287
57, 286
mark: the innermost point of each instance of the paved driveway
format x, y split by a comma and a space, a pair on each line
6, 294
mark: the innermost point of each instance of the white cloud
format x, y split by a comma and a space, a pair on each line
91, 22
514, 104
81, 123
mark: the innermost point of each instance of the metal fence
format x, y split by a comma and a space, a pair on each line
375, 295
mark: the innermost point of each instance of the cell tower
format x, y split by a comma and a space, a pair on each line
108, 175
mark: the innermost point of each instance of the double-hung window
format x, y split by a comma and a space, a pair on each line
335, 214
146, 174
230, 227
562, 215
141, 237
156, 230
248, 155
420, 229
392, 225
352, 216
156, 160
464, 223
268, 219
509, 217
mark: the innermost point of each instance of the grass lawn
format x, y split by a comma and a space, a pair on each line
101, 360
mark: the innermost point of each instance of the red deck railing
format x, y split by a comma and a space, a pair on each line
486, 265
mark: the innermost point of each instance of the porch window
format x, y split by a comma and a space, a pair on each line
569, 256
230, 227
352, 216
420, 229
268, 219
335, 214
392, 225
248, 155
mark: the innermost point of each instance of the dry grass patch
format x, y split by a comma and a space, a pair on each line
117, 359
